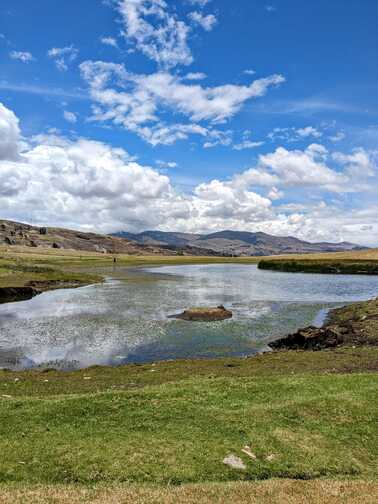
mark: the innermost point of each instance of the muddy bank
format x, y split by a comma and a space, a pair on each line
33, 288
10, 294
352, 325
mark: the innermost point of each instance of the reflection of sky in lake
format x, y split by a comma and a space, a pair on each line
126, 321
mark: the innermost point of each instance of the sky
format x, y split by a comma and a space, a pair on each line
191, 115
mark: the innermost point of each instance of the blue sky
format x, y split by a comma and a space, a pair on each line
247, 115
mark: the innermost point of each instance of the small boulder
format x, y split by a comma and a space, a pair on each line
234, 462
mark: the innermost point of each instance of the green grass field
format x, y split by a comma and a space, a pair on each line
304, 415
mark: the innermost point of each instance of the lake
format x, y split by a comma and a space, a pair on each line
125, 319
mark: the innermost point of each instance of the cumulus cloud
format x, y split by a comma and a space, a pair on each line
296, 168
206, 21
23, 56
86, 184
156, 31
310, 168
9, 135
358, 164
62, 56
134, 101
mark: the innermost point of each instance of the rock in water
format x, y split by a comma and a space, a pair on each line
203, 314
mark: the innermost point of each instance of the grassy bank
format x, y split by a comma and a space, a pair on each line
351, 263
304, 415
330, 267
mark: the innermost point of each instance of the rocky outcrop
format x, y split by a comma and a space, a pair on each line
354, 324
24, 235
204, 314
312, 338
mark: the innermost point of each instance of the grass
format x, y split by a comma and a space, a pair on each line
354, 262
332, 267
173, 423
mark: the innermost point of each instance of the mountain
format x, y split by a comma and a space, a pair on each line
16, 233
222, 243
238, 243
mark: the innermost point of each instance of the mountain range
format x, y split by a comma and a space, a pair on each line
238, 243
222, 243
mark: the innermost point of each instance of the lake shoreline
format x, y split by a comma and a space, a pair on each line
350, 326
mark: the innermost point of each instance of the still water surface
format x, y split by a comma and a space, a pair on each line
125, 320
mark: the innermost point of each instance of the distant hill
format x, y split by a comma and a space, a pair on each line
16, 233
239, 243
222, 243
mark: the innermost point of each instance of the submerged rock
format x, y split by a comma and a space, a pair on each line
203, 314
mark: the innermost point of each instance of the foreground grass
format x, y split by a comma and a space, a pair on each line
265, 492
89, 428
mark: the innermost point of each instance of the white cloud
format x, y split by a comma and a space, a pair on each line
247, 144
206, 21
195, 76
86, 184
217, 137
166, 164
9, 134
70, 116
292, 134
200, 3
23, 56
134, 101
337, 137
358, 164
308, 168
308, 131
110, 41
275, 194
249, 72
63, 56
155, 31
301, 168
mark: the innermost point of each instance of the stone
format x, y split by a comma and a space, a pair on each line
234, 462
204, 314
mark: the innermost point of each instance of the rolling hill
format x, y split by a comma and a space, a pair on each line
239, 243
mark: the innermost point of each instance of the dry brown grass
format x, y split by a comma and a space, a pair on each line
21, 251
266, 492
